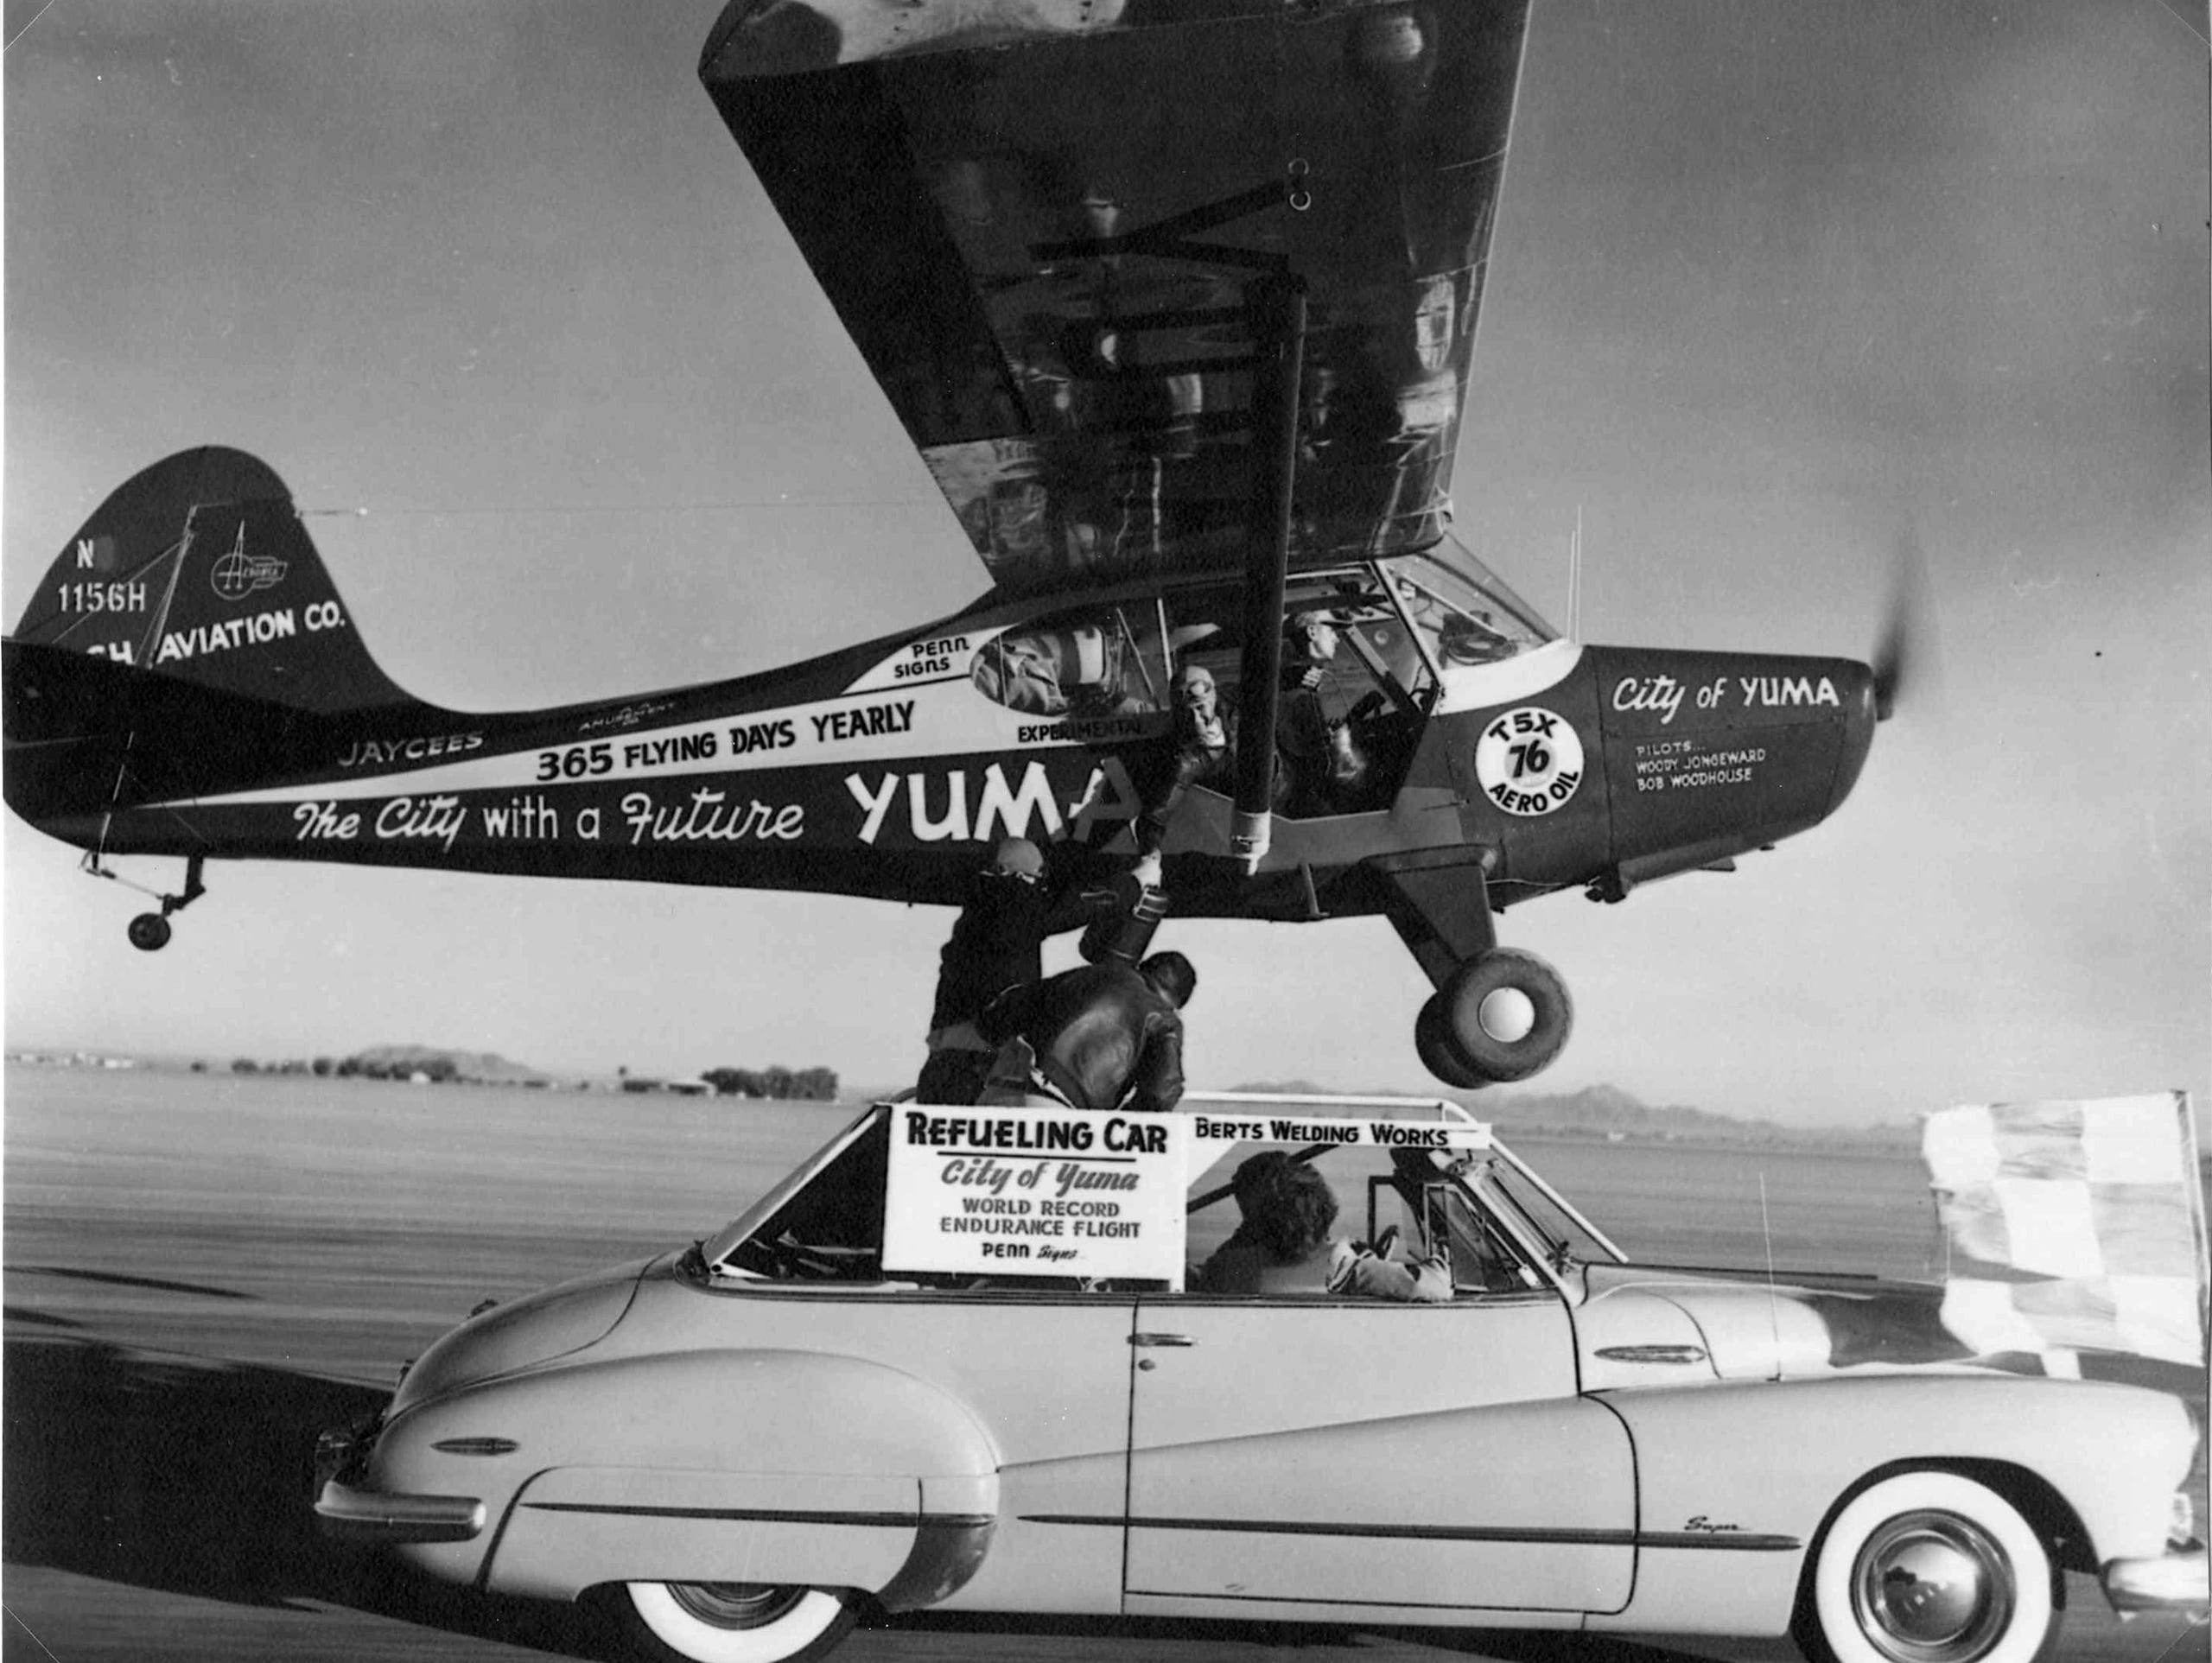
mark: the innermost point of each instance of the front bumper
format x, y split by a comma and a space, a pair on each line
348, 1514
2172, 1582
348, 1510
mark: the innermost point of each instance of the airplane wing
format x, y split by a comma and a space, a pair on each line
1045, 224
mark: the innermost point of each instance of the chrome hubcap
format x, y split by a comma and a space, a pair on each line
1507, 1015
1932, 1588
736, 1604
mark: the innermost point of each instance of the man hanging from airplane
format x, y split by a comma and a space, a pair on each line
997, 943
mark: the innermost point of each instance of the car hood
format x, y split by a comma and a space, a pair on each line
1644, 1325
552, 1322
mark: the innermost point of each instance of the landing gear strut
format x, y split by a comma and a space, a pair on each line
149, 931
1498, 1014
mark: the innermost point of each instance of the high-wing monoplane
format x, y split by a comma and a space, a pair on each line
1178, 301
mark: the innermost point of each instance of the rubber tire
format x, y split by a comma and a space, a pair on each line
149, 932
810, 1627
1829, 1628
1501, 1061
1439, 1054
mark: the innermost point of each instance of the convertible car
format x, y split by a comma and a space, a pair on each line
954, 1361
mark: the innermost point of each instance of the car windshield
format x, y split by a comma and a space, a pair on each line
826, 1223
1527, 1204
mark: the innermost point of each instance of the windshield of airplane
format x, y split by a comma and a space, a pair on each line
1463, 612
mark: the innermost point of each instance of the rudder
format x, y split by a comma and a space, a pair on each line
199, 569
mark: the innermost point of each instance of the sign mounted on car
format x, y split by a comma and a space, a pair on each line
1036, 1192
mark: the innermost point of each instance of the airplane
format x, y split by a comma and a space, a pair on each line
1178, 301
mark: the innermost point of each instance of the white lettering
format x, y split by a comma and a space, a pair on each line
1011, 809
876, 807
1660, 693
955, 824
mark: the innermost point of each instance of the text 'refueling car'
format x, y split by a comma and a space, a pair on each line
953, 1361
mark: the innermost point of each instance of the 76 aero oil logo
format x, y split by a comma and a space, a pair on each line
1529, 761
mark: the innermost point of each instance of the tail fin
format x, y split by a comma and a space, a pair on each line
197, 568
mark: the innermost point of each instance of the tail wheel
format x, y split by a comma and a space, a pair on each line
1505, 1014
1929, 1567
738, 1621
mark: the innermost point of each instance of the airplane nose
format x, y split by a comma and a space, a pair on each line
1862, 707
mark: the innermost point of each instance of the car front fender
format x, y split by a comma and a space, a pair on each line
1735, 1479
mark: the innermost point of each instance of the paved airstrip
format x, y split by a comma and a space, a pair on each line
203, 1270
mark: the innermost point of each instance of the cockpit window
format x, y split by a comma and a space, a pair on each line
1101, 661
1464, 614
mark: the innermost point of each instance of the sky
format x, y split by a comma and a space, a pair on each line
1776, 292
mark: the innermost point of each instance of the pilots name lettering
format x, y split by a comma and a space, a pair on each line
1679, 767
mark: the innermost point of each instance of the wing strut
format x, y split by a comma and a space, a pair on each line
1278, 304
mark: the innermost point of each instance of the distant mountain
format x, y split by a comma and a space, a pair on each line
487, 1067
1604, 1111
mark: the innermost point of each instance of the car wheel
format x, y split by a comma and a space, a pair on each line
1929, 1567
738, 1621
1507, 1013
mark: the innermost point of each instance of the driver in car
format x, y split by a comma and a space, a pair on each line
1285, 1244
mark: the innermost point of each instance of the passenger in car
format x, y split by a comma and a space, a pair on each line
1284, 1243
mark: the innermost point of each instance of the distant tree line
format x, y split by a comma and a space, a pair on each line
806, 1085
440, 1068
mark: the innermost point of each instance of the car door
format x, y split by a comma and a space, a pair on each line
1325, 1452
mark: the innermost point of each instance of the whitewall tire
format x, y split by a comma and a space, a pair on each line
1929, 1567
739, 1622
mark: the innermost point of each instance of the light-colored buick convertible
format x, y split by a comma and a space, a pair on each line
953, 1361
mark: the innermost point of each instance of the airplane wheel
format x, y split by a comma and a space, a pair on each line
1507, 1013
1439, 1055
149, 932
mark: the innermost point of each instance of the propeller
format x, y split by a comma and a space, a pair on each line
1906, 644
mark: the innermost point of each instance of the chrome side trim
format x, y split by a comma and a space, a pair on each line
1652, 1353
362, 1515
1707, 1541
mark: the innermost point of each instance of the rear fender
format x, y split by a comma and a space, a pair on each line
714, 1466
908, 1540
